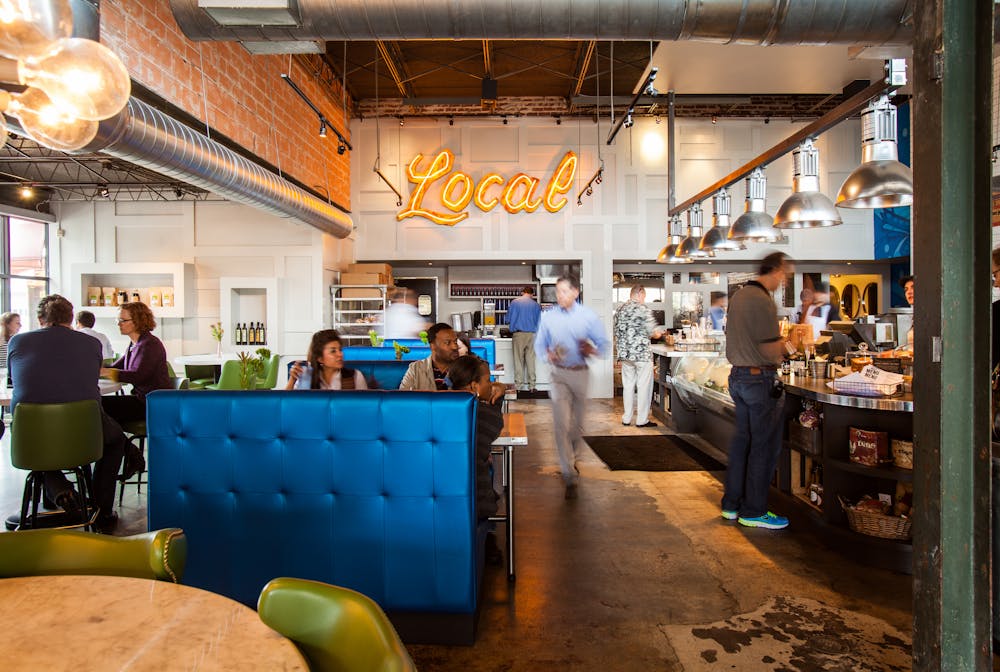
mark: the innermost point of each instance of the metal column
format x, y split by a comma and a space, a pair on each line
951, 238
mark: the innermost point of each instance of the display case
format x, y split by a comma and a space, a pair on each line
357, 310
168, 289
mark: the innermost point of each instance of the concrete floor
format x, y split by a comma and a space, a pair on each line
641, 573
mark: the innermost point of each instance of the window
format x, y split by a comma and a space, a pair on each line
24, 267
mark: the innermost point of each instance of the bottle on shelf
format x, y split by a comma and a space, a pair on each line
252, 336
241, 338
261, 334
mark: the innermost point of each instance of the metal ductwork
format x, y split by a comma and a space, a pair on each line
761, 22
145, 136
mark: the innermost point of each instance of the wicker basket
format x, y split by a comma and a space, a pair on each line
877, 524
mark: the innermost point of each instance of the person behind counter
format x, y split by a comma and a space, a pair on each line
523, 315
906, 282
144, 364
324, 368
717, 313
755, 348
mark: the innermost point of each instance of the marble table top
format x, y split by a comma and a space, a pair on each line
115, 623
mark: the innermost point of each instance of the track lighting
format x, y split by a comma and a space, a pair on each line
400, 120
103, 191
715, 119
179, 193
322, 129
628, 120
505, 121
451, 121
341, 148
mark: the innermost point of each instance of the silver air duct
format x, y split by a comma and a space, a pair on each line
145, 136
763, 22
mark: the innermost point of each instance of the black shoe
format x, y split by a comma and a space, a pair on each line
649, 423
106, 523
69, 501
133, 463
494, 555
571, 491
626, 424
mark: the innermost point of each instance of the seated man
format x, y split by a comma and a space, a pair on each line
85, 321
430, 373
55, 364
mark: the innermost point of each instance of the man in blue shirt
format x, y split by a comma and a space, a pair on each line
568, 334
522, 317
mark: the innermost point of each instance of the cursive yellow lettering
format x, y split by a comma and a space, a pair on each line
457, 204
439, 167
482, 202
560, 183
511, 203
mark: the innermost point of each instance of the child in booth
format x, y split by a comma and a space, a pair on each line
471, 374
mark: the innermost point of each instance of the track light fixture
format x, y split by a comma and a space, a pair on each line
505, 121
588, 188
103, 191
628, 120
341, 148
451, 121
179, 193
324, 123
401, 120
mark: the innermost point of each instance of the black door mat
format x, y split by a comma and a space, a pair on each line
653, 452
536, 394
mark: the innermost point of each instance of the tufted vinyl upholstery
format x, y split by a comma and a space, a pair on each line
487, 344
370, 490
367, 353
381, 375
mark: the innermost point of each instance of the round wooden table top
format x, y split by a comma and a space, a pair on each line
116, 623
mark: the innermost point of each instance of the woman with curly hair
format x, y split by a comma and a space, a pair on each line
326, 364
144, 364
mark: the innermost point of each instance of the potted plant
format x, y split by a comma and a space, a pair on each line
217, 332
251, 366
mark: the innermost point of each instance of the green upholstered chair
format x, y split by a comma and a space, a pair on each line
51, 437
270, 378
170, 370
229, 379
200, 375
136, 432
159, 555
336, 629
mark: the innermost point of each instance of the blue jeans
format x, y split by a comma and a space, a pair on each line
753, 453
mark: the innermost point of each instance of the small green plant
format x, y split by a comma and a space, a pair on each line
423, 337
400, 349
251, 367
375, 339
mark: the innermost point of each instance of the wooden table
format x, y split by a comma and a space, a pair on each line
514, 433
77, 623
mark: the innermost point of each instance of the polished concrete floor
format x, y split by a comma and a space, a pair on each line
641, 573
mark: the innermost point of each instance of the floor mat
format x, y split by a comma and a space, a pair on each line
532, 394
791, 633
651, 452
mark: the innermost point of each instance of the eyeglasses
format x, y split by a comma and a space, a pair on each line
121, 320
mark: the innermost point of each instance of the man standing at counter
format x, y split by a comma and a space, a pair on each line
523, 315
568, 334
754, 347
634, 326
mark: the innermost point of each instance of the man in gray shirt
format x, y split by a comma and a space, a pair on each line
754, 347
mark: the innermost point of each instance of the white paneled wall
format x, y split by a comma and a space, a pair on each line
221, 239
624, 219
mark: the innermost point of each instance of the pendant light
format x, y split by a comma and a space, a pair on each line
755, 225
668, 255
807, 207
689, 247
881, 181
717, 238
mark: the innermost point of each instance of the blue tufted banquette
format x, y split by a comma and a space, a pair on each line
372, 490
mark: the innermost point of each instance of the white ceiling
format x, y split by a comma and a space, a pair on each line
705, 68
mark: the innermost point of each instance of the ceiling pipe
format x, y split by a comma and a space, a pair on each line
760, 22
147, 137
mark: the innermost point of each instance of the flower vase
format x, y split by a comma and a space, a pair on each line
218, 349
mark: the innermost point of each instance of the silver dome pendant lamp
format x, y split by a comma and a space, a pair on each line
717, 238
668, 255
807, 207
881, 181
755, 225
690, 246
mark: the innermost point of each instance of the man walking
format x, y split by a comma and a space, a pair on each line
522, 317
754, 347
634, 326
568, 334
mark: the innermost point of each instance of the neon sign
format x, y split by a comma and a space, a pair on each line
519, 194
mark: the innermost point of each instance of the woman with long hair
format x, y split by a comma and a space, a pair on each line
10, 324
325, 366
144, 364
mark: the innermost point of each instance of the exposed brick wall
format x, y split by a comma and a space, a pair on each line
236, 94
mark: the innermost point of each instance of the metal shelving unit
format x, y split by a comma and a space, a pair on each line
354, 314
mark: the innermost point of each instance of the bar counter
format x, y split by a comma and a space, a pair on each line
816, 389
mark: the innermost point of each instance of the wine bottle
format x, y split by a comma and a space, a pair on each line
263, 334
241, 331
260, 334
252, 336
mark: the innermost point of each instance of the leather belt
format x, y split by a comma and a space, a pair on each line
755, 370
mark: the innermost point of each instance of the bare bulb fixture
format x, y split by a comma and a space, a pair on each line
29, 28
27, 191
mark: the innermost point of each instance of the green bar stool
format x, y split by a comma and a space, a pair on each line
160, 555
336, 629
135, 431
56, 437
270, 378
230, 377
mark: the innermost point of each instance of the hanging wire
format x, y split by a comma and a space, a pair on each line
378, 130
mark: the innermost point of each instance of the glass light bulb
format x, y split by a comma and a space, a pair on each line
50, 123
82, 74
29, 28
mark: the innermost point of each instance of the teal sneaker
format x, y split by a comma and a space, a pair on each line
768, 521
730, 515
